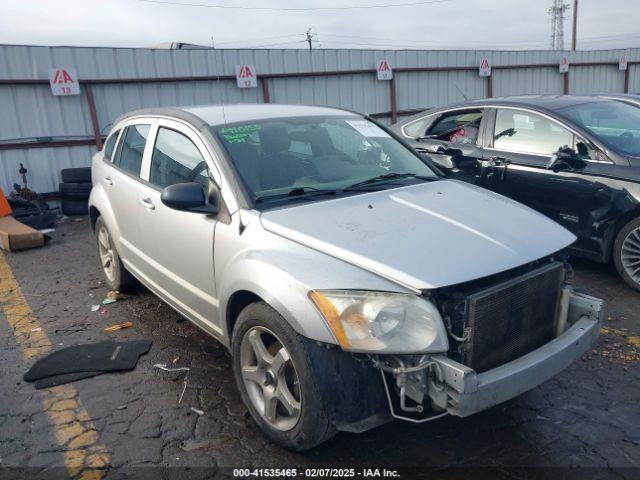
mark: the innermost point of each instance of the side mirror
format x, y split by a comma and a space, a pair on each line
445, 157
190, 197
565, 158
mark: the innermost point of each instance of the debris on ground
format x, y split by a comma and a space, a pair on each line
118, 326
197, 411
95, 308
190, 445
184, 389
163, 366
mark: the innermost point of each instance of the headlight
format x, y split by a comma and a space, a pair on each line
381, 322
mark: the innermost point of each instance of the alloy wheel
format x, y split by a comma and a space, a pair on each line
630, 254
105, 249
270, 378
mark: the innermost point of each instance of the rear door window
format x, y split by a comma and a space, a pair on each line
460, 127
520, 131
176, 159
131, 148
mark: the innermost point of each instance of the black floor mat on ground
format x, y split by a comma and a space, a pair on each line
84, 361
56, 380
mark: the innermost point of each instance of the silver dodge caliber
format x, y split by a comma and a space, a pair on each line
350, 282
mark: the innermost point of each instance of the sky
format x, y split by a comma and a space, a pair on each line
420, 24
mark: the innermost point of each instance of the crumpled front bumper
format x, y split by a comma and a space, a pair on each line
468, 392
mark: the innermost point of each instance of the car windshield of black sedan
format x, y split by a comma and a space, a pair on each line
615, 123
312, 156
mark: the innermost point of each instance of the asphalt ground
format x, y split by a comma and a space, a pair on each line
584, 422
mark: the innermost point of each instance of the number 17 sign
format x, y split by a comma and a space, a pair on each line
246, 76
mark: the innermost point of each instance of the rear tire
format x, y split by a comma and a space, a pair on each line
74, 191
299, 420
626, 253
117, 277
76, 175
74, 207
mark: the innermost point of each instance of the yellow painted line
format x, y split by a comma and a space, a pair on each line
630, 339
84, 456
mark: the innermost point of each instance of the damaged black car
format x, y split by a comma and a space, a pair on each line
575, 159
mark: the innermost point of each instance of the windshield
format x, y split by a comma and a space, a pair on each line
616, 124
314, 156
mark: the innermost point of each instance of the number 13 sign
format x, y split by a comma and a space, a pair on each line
64, 81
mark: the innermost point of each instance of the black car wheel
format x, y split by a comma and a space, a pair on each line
626, 253
275, 379
74, 207
74, 191
76, 175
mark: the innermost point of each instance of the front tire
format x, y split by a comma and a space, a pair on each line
626, 253
275, 379
117, 277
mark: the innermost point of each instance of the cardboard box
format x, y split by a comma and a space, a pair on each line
18, 236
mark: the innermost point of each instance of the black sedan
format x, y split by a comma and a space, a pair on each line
575, 159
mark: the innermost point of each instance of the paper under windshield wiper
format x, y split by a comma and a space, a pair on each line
389, 176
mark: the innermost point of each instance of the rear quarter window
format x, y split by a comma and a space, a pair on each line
110, 145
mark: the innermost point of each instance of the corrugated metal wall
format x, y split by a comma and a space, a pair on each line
32, 111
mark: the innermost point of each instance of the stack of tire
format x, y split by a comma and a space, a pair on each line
74, 191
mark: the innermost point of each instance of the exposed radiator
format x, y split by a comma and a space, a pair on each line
513, 318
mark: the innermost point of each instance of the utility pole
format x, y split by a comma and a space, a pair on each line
575, 25
309, 39
557, 14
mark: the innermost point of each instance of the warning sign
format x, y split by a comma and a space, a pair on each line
384, 70
485, 68
64, 81
564, 65
246, 76
622, 65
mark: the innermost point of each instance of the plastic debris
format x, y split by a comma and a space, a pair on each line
190, 445
118, 326
112, 297
95, 308
184, 388
37, 329
197, 411
163, 366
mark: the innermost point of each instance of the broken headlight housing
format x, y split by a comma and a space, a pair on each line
381, 322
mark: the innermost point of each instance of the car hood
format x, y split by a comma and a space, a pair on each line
423, 236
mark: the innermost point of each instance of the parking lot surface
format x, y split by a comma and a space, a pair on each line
586, 417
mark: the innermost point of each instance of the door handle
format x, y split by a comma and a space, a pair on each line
147, 203
500, 162
108, 180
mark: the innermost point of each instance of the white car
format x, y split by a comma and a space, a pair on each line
351, 283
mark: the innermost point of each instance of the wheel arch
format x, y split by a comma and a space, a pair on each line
618, 225
94, 213
238, 302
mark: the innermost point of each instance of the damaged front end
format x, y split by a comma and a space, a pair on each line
507, 334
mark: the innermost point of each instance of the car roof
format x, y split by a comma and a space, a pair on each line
544, 102
548, 102
246, 112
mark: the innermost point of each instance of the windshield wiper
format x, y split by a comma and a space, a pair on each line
389, 176
296, 193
